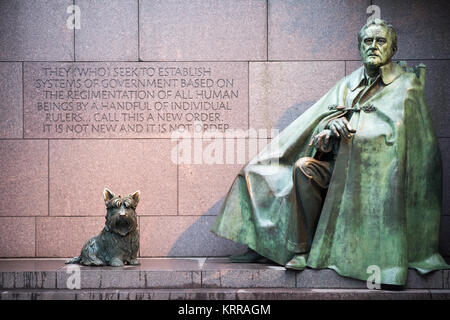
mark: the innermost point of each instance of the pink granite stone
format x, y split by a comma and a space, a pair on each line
315, 30
445, 151
351, 66
35, 31
281, 91
203, 187
204, 183
11, 103
183, 236
81, 169
24, 176
199, 30
17, 237
65, 236
422, 27
133, 100
109, 31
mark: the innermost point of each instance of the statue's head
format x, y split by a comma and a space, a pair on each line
377, 43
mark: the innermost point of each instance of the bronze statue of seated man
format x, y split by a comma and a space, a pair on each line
354, 182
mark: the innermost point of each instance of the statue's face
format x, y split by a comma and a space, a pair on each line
376, 46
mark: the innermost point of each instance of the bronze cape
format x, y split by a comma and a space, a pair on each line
383, 204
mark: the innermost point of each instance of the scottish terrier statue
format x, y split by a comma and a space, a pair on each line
118, 242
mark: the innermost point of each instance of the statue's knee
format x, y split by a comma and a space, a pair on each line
302, 163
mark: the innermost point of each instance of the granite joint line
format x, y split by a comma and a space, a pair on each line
248, 96
23, 100
178, 183
214, 61
74, 52
267, 30
48, 177
138, 32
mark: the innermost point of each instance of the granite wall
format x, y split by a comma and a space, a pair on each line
96, 106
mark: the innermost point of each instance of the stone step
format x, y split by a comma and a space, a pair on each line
224, 294
185, 273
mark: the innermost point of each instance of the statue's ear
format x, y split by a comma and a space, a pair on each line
136, 196
108, 195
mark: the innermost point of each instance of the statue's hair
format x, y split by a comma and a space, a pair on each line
379, 22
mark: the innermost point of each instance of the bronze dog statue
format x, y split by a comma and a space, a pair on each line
118, 243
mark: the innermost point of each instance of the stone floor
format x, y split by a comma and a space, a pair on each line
197, 278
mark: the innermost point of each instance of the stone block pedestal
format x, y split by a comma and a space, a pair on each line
197, 278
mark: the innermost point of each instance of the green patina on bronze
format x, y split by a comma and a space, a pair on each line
383, 203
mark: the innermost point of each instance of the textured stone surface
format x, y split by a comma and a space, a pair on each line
310, 278
11, 102
445, 150
431, 280
24, 178
214, 30
351, 66
183, 236
220, 273
440, 294
203, 187
17, 236
206, 273
422, 27
29, 280
31, 265
151, 273
65, 236
281, 91
225, 294
305, 30
171, 264
32, 30
81, 169
116, 31
133, 100
444, 241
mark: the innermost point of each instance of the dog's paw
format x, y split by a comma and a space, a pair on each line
134, 262
116, 262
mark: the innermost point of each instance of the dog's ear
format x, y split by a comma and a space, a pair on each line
136, 196
108, 195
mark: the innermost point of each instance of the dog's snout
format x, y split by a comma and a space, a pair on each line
122, 212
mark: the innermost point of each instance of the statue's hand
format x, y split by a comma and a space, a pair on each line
341, 128
322, 141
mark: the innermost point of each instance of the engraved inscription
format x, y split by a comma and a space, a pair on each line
123, 100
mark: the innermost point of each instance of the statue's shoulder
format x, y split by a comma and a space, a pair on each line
414, 73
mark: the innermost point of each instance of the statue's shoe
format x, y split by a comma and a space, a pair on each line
298, 262
247, 257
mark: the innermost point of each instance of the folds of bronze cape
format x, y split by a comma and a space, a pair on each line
383, 203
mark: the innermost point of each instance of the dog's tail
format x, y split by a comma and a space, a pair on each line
74, 260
